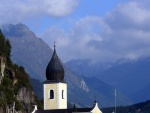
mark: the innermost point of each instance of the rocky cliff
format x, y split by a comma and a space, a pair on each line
2, 67
16, 93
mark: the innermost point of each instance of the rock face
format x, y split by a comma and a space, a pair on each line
25, 95
83, 86
1, 110
3, 62
2, 67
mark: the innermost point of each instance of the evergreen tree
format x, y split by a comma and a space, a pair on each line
5, 47
74, 108
2, 43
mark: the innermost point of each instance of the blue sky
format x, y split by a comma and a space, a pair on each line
83, 9
101, 30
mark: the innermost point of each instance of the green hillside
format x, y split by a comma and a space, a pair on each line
15, 87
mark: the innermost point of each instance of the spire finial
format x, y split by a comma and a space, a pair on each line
54, 45
95, 101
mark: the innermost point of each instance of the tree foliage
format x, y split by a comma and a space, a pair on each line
5, 46
143, 107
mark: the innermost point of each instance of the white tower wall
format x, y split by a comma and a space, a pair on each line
59, 100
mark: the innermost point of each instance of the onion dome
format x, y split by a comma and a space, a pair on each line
55, 70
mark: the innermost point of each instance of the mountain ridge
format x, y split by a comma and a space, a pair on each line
127, 75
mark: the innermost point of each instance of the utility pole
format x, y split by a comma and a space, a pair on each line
115, 101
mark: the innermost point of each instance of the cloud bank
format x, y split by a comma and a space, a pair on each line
121, 33
18, 10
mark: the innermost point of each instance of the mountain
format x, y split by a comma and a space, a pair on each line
132, 77
28, 50
87, 67
144, 94
106, 92
34, 54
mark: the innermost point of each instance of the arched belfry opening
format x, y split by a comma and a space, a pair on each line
62, 94
51, 94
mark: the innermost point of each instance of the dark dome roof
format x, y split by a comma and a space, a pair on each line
55, 70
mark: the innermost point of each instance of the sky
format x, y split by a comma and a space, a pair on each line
101, 30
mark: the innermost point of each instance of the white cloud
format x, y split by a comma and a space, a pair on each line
131, 28
60, 8
76, 40
122, 33
134, 14
18, 10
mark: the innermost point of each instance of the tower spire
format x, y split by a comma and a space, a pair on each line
55, 70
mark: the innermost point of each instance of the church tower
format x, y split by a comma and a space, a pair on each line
55, 88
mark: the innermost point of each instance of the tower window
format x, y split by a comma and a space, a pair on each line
51, 94
62, 94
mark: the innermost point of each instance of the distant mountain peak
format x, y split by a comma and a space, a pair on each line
27, 47
18, 30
